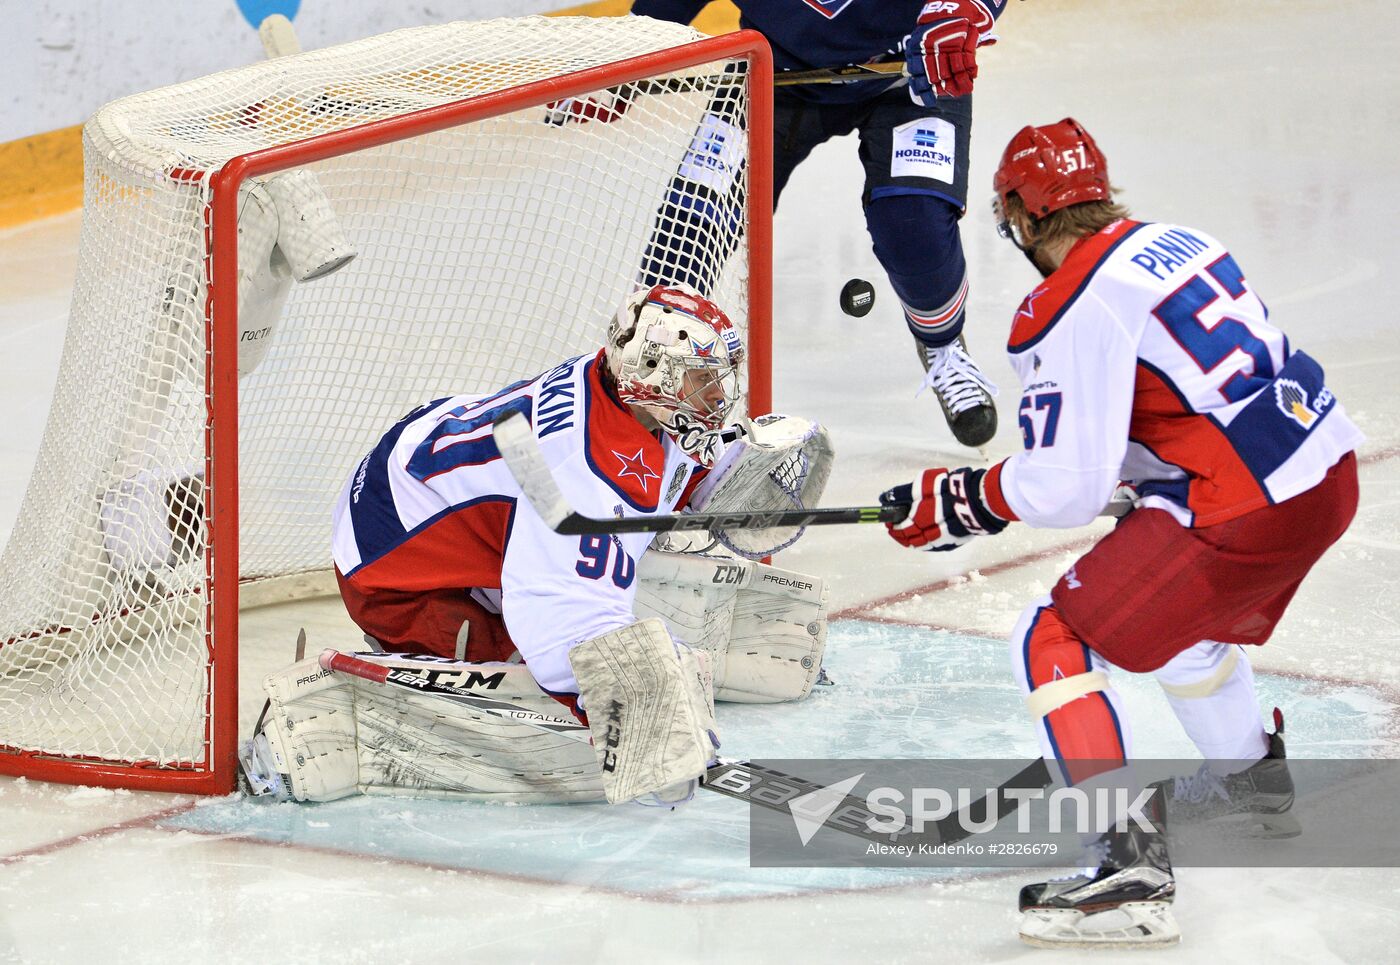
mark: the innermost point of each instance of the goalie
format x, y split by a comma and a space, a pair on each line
452, 573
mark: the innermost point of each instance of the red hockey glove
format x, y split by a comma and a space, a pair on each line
946, 509
941, 51
602, 107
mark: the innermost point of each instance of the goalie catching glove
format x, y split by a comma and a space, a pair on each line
947, 508
780, 462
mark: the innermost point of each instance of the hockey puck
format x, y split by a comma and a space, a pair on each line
857, 297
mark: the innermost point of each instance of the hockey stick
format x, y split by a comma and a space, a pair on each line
522, 455
737, 779
521, 452
887, 70
746, 781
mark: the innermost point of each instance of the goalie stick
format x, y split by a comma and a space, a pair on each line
521, 452
516, 440
745, 781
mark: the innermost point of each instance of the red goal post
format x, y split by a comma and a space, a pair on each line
91, 671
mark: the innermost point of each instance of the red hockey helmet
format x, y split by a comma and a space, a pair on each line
1052, 167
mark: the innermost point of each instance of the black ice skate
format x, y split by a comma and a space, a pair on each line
1259, 798
1122, 901
963, 391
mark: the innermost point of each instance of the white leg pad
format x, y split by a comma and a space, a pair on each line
310, 729
334, 735
650, 707
762, 627
429, 745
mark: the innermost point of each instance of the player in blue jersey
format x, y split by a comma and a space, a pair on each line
914, 139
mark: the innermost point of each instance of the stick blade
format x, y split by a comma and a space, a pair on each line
521, 452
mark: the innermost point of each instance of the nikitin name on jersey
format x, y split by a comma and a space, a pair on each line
555, 408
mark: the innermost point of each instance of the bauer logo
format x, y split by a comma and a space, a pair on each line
612, 736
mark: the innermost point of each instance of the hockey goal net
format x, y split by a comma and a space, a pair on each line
225, 365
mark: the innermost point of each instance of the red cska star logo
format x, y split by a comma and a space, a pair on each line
1028, 305
635, 465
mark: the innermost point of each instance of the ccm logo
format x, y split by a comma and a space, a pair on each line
612, 737
728, 573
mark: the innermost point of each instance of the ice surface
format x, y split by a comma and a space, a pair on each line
900, 692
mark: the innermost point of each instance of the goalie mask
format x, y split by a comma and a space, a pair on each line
676, 355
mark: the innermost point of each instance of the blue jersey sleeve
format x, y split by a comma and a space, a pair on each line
808, 34
676, 11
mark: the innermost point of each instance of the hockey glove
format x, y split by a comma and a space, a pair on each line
603, 107
946, 510
941, 51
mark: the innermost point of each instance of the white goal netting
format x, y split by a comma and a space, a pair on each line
479, 254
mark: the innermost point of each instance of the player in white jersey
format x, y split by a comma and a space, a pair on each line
437, 551
1146, 357
469, 596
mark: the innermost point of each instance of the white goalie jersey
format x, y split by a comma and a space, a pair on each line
434, 507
